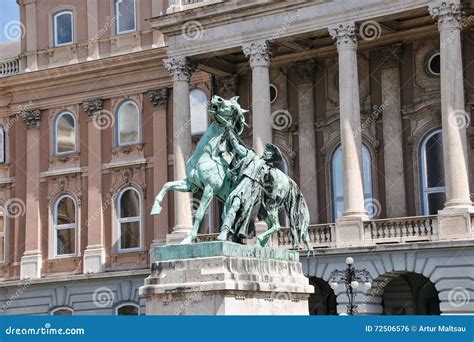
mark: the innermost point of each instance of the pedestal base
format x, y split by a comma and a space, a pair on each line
94, 259
31, 265
224, 278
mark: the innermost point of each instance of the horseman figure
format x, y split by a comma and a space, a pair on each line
249, 185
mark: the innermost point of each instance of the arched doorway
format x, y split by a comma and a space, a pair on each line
410, 293
323, 300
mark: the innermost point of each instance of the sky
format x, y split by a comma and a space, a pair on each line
9, 21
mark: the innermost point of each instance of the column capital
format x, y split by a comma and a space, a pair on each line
32, 117
180, 68
390, 56
259, 52
448, 14
92, 107
305, 71
345, 35
159, 97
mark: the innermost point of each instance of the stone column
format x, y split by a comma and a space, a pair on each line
307, 137
389, 58
181, 70
455, 218
31, 261
31, 41
95, 254
350, 227
159, 98
93, 29
260, 54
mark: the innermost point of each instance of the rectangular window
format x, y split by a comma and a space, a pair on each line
2, 236
2, 145
125, 13
63, 31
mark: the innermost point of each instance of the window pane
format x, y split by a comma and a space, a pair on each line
2, 145
66, 211
130, 235
198, 101
129, 204
66, 241
126, 15
63, 28
128, 123
338, 180
62, 312
2, 223
65, 134
436, 202
367, 167
2, 248
434, 161
128, 310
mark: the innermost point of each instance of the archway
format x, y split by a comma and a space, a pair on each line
323, 300
408, 293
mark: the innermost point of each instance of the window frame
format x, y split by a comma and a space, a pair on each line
423, 174
60, 308
4, 233
139, 123
121, 220
331, 174
64, 226
3, 139
117, 21
127, 304
55, 137
55, 27
200, 133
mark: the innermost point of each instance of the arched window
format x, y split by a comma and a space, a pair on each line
198, 102
65, 133
63, 311
129, 220
2, 234
128, 123
125, 15
128, 310
432, 173
3, 149
63, 28
65, 224
337, 180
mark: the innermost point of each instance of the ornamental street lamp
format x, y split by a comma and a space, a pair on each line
351, 278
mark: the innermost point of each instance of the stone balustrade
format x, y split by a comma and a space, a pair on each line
9, 67
405, 229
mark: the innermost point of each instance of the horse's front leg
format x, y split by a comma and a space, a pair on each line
206, 199
273, 226
180, 185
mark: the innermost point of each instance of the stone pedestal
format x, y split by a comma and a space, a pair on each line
224, 278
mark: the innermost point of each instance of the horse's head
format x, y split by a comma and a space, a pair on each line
228, 113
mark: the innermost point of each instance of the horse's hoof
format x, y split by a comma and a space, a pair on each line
155, 210
222, 236
187, 241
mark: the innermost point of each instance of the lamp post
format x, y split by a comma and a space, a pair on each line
351, 278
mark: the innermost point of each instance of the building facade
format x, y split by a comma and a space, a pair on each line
369, 101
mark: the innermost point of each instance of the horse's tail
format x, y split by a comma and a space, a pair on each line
297, 209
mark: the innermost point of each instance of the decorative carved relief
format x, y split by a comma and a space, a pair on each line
180, 68
32, 117
159, 97
92, 107
259, 53
64, 184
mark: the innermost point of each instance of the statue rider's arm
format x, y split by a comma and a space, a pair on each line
239, 149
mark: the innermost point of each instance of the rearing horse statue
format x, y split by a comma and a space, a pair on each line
206, 170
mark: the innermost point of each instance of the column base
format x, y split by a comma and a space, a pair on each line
31, 265
225, 278
178, 234
94, 259
350, 230
454, 222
